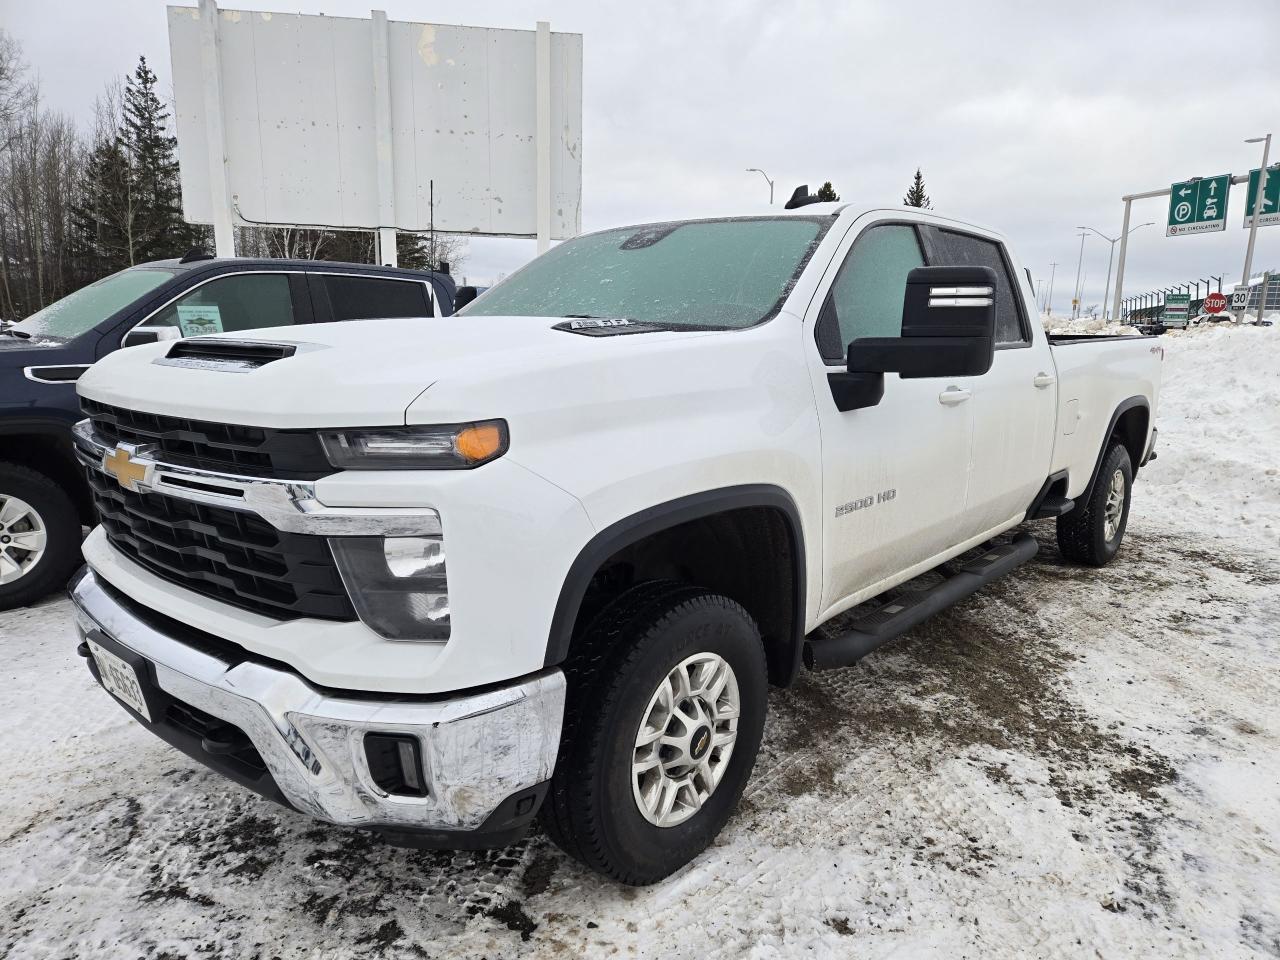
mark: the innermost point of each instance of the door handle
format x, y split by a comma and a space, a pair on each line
1042, 380
954, 395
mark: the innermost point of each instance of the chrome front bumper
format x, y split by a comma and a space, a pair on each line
480, 752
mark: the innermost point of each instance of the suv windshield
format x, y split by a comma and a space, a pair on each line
80, 311
699, 273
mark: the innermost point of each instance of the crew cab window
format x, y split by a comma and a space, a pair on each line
242, 301
866, 299
365, 298
963, 249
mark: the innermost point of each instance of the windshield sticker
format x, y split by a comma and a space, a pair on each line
193, 319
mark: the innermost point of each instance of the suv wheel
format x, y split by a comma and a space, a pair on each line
1092, 532
667, 697
39, 536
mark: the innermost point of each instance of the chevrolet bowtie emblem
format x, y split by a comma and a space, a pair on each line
128, 470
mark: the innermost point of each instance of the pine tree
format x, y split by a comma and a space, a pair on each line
132, 211
916, 197
827, 192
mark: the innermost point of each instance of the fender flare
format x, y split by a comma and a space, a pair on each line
1124, 407
661, 517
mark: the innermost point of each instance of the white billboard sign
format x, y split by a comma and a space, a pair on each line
345, 122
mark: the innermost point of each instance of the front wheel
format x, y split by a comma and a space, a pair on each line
39, 535
665, 715
1092, 532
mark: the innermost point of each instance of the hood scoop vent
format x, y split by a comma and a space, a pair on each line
230, 355
606, 327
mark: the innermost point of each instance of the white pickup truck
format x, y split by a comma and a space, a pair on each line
546, 557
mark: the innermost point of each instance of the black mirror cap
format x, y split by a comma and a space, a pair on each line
950, 302
463, 296
921, 357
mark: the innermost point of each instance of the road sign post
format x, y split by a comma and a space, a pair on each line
1198, 206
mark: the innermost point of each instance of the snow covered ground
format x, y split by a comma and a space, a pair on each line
1073, 763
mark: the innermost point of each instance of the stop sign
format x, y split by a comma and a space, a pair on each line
1215, 302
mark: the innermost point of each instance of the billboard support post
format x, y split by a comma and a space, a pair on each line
542, 79
1257, 212
382, 132
224, 238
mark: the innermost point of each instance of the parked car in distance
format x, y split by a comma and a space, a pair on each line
44, 499
550, 564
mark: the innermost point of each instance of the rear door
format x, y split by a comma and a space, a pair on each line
1014, 403
894, 475
340, 296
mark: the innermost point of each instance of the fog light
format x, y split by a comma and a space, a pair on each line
398, 585
395, 763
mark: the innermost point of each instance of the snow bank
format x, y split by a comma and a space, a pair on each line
1219, 419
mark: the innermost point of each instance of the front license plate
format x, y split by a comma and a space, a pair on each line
120, 679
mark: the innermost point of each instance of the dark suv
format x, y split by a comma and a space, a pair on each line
44, 498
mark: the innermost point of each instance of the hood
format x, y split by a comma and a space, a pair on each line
357, 373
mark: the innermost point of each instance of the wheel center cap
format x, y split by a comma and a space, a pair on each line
6, 539
699, 742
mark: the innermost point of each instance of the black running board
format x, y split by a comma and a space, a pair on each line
1053, 507
901, 614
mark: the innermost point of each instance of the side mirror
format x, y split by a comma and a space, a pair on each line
462, 296
140, 335
948, 330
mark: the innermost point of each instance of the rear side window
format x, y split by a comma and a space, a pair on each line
242, 301
951, 249
366, 298
866, 299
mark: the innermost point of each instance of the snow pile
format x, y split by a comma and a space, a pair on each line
1218, 468
1085, 326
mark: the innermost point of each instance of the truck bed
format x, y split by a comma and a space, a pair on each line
1066, 339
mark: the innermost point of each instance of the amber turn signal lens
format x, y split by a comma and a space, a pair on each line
479, 442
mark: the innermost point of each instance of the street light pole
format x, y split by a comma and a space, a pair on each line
767, 180
1048, 301
1257, 211
1075, 300
1108, 309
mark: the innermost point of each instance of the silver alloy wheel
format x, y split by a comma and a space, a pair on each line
685, 739
22, 538
1115, 506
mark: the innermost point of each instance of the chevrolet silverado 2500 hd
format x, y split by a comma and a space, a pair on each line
546, 557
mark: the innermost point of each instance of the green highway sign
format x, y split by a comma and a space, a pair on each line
1198, 205
1176, 307
1270, 203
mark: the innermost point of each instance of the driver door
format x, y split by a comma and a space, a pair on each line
895, 475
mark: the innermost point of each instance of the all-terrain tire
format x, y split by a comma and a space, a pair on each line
52, 511
625, 654
1090, 533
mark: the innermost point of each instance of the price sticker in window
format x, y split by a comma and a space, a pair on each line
195, 319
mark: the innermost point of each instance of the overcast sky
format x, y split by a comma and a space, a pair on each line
1030, 117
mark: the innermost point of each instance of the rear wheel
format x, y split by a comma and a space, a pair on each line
666, 709
1093, 531
39, 535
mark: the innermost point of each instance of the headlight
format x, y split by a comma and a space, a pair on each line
397, 584
450, 446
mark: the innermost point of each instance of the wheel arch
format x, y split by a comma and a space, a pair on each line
45, 445
1130, 424
779, 607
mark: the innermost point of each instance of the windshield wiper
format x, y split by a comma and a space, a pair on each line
17, 333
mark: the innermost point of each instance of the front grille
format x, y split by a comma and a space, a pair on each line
222, 447
229, 555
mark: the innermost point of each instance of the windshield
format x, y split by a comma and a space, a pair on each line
80, 311
702, 273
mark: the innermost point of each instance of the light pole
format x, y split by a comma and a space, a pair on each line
767, 180
1048, 301
1106, 306
1075, 300
1257, 210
